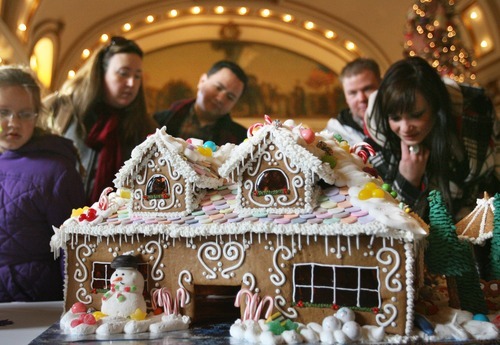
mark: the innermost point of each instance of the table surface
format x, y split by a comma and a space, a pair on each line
29, 320
36, 323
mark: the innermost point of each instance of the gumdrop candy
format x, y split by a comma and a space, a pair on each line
308, 135
78, 307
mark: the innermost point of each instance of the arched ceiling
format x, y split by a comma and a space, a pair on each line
376, 27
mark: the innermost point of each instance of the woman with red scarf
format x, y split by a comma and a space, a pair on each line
103, 110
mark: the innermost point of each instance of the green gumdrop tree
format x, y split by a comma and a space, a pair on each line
495, 241
446, 254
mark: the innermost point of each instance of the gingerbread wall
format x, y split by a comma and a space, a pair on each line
273, 265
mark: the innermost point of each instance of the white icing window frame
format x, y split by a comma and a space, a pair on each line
335, 284
108, 271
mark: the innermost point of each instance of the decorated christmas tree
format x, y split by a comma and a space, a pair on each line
431, 33
449, 256
495, 242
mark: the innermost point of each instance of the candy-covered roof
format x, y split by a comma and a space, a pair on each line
184, 157
336, 215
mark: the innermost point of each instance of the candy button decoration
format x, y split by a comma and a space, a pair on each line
211, 145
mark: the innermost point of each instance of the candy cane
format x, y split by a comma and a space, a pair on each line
103, 199
180, 300
248, 299
361, 148
164, 300
253, 128
253, 307
256, 126
261, 305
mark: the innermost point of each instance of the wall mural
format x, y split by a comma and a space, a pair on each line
281, 83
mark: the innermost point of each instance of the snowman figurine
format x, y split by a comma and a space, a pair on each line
127, 284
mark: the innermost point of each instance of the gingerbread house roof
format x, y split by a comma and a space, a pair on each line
196, 168
477, 226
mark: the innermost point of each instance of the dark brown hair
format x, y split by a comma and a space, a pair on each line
87, 92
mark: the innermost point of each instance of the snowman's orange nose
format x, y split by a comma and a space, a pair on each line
118, 279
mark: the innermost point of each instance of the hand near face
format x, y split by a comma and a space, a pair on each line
412, 164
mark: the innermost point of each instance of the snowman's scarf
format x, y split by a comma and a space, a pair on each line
117, 288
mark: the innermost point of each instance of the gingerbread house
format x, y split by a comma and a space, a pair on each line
166, 176
362, 253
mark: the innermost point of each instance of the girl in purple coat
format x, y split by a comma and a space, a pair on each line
39, 186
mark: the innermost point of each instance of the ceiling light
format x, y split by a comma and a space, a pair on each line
127, 27
196, 10
265, 13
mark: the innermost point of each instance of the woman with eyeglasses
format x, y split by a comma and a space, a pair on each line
433, 136
39, 186
103, 110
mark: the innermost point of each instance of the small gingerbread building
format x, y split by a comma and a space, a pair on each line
277, 171
166, 176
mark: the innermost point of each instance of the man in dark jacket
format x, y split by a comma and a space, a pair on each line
207, 117
360, 78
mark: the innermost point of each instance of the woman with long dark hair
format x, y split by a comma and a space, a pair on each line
431, 141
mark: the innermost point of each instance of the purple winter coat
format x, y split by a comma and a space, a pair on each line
39, 186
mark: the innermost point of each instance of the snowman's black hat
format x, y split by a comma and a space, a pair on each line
122, 261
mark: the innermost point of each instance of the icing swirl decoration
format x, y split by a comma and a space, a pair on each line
81, 273
213, 252
187, 277
392, 283
233, 251
156, 273
279, 302
249, 280
279, 278
386, 318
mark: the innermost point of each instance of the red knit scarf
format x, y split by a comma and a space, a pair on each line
103, 137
